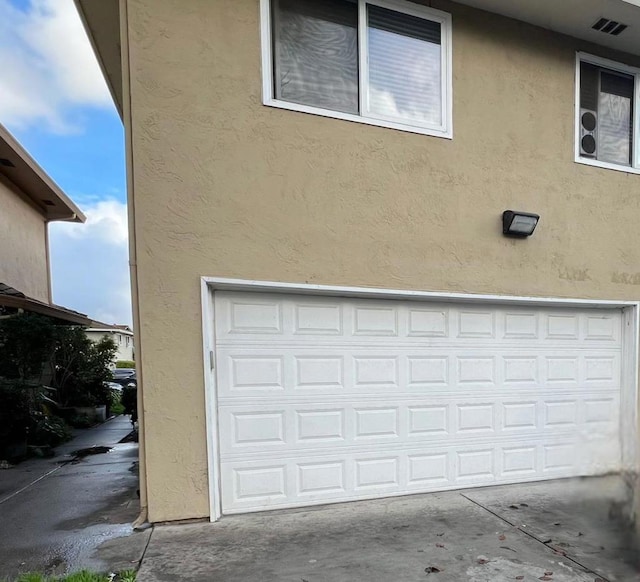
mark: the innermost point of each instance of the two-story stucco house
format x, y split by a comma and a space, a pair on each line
29, 201
122, 336
330, 302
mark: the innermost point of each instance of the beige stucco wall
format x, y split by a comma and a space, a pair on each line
23, 246
227, 187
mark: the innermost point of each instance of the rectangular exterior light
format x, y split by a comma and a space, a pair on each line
519, 224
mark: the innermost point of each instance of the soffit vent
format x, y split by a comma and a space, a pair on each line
609, 26
49, 202
6, 163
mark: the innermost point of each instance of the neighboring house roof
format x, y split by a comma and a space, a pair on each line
32, 181
11, 297
99, 326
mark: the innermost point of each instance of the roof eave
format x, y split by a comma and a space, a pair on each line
101, 21
48, 309
35, 183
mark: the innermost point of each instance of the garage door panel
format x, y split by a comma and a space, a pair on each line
334, 425
253, 484
329, 399
248, 314
251, 371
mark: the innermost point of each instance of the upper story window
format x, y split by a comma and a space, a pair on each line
382, 62
606, 117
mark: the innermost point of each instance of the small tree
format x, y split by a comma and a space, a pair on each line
82, 367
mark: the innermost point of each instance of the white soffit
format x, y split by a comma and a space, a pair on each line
574, 18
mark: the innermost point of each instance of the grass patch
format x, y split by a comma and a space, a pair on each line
82, 576
117, 408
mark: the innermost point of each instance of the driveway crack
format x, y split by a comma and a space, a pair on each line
546, 544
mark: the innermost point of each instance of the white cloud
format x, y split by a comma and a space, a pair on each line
48, 66
90, 263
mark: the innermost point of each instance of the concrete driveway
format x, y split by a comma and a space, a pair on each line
54, 513
562, 531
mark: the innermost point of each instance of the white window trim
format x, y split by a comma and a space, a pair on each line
635, 151
445, 130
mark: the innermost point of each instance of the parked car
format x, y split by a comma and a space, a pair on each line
124, 376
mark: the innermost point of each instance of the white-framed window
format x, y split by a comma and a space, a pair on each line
607, 122
380, 62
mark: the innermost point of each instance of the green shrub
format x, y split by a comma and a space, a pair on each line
125, 364
115, 402
31, 577
81, 421
84, 576
82, 368
27, 342
48, 430
26, 416
117, 408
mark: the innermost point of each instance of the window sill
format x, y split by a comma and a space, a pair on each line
447, 134
607, 166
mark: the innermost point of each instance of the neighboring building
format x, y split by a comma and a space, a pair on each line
122, 335
326, 308
29, 201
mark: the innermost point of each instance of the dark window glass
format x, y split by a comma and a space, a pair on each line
316, 53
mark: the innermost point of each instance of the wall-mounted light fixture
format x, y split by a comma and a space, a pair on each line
519, 224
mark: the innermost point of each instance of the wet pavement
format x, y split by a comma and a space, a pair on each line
54, 513
556, 531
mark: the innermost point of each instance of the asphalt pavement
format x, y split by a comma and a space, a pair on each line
55, 513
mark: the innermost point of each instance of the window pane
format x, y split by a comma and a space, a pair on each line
589, 81
316, 53
614, 118
405, 77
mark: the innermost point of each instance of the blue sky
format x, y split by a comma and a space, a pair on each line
54, 100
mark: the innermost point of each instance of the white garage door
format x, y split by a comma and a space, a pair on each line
326, 399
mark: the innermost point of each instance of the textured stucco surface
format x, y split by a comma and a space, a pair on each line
227, 187
23, 250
